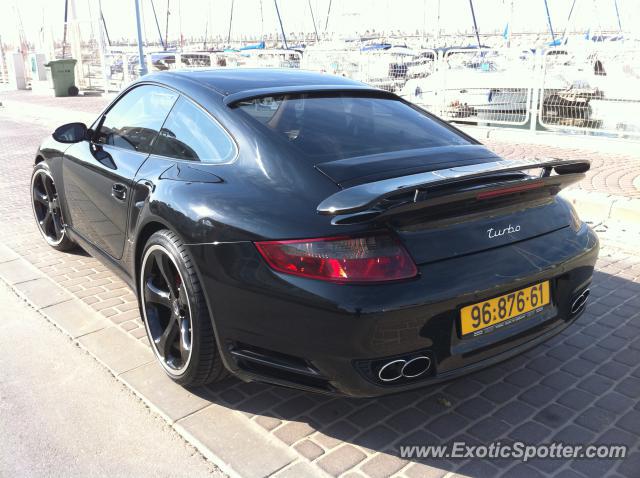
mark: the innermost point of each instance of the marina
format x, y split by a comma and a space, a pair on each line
576, 81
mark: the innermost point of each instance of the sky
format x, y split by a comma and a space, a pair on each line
348, 17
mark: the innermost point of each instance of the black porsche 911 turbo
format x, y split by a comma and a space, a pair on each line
311, 231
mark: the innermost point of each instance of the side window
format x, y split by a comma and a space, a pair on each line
135, 120
190, 133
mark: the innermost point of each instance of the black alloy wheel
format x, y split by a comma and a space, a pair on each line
46, 209
175, 314
167, 309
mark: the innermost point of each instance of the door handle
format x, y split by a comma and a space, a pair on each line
119, 191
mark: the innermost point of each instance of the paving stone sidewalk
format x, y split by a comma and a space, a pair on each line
582, 386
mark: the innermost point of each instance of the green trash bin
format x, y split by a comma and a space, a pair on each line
64, 77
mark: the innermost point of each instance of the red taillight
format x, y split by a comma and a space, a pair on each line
341, 259
509, 190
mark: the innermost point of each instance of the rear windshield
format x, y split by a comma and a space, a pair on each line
345, 126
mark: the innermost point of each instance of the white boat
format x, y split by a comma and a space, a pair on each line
263, 58
480, 85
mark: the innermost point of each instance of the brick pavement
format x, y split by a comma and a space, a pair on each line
581, 386
614, 174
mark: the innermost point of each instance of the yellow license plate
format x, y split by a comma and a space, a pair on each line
504, 309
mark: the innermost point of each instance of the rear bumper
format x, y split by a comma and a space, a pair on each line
330, 337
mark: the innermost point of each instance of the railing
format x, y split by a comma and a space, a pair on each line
594, 91
477, 85
4, 67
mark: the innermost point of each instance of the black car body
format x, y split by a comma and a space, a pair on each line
472, 226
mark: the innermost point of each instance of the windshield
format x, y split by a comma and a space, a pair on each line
346, 126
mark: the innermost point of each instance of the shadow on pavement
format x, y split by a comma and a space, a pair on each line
580, 387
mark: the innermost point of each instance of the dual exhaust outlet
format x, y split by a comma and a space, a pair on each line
579, 302
404, 368
417, 366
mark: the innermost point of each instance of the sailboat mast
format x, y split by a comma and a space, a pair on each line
615, 3
206, 27
153, 8
314, 21
326, 23
475, 24
437, 36
261, 22
180, 23
104, 23
230, 21
566, 28
166, 28
284, 37
509, 33
553, 36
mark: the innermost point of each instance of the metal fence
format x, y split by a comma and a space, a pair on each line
595, 90
388, 69
476, 85
591, 89
4, 69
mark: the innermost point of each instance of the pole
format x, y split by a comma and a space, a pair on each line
104, 25
424, 22
326, 23
101, 48
230, 21
64, 34
261, 22
153, 8
538, 85
475, 25
206, 26
314, 21
437, 36
180, 23
615, 3
553, 36
564, 34
284, 37
166, 29
206, 34
510, 25
142, 66
75, 42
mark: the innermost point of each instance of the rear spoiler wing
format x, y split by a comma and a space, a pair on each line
364, 196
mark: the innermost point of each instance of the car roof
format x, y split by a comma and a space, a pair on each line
227, 81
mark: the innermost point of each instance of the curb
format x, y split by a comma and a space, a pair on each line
237, 446
600, 207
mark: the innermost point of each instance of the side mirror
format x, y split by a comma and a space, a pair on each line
71, 133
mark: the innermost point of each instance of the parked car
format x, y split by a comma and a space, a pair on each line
308, 230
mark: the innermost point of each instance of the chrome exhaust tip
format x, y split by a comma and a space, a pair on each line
580, 301
396, 369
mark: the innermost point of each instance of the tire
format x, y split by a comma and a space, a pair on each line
47, 212
169, 292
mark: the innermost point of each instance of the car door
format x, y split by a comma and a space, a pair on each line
98, 174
